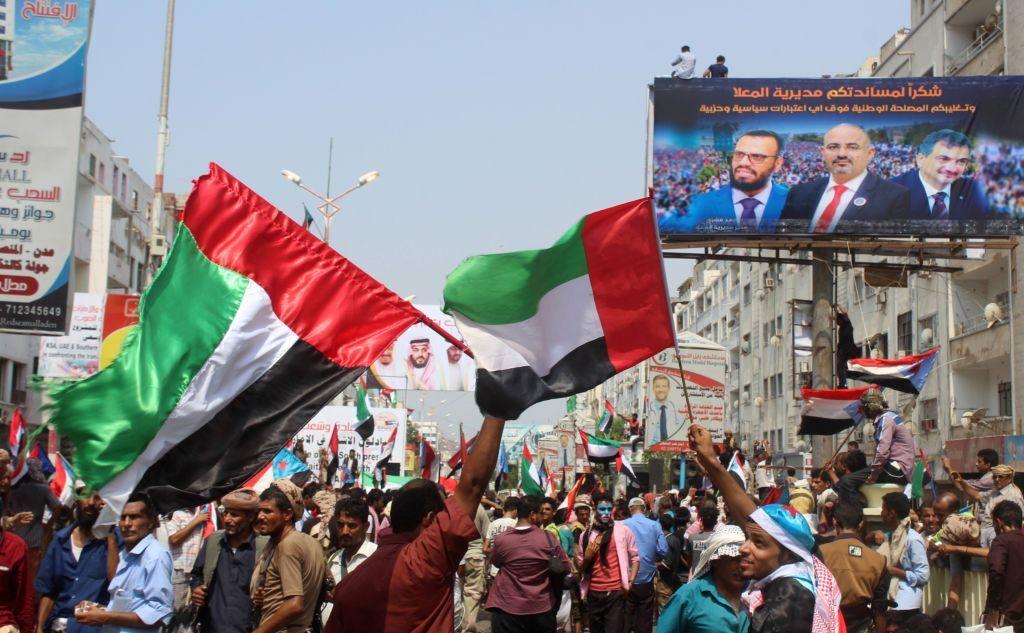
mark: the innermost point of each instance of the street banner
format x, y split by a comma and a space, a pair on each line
42, 70
422, 360
936, 156
317, 434
99, 325
668, 421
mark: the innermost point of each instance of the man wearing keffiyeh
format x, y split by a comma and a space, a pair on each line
789, 588
908, 559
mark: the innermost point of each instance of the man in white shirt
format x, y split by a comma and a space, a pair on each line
684, 65
508, 520
850, 199
348, 526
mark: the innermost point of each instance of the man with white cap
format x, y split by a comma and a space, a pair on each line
711, 601
652, 547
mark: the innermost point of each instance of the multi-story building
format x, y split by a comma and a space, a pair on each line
8, 14
116, 246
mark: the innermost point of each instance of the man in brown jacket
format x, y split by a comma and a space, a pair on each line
1004, 604
859, 570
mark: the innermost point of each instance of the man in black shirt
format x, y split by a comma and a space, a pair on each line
718, 70
224, 567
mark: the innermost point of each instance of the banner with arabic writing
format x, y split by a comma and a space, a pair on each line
42, 69
893, 157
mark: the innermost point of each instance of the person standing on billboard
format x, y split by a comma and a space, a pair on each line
665, 412
850, 199
751, 203
939, 191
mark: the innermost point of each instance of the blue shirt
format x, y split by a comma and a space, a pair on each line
915, 564
67, 581
142, 585
698, 608
650, 543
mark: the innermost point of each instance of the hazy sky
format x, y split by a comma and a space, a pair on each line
495, 125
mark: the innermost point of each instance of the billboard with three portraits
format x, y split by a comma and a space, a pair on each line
870, 157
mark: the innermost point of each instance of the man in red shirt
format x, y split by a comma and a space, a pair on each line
16, 597
407, 585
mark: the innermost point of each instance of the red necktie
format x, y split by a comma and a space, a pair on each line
826, 218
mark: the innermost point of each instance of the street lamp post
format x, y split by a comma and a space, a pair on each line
329, 206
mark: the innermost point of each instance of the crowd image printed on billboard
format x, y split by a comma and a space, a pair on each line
422, 360
922, 157
42, 69
668, 420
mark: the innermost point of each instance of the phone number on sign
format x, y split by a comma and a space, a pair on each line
12, 308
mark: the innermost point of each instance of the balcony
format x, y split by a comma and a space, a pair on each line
978, 345
983, 56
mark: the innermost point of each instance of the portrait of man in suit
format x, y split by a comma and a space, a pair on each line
850, 198
939, 190
665, 412
752, 201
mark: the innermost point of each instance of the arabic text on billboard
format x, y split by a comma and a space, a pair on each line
920, 157
317, 433
42, 67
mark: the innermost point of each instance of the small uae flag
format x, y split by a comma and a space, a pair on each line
605, 423
529, 477
830, 411
364, 418
63, 483
907, 374
251, 326
604, 451
551, 323
736, 468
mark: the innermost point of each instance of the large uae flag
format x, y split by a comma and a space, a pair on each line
250, 327
551, 323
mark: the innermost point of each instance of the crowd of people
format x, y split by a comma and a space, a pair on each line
751, 548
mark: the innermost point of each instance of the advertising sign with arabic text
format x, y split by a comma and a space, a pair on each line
317, 433
936, 156
42, 70
668, 418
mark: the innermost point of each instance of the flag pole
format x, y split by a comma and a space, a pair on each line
362, 461
682, 379
842, 444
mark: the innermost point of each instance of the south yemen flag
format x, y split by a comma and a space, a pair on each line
554, 322
830, 411
907, 374
250, 327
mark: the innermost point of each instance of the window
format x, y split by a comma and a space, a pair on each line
764, 388
92, 165
926, 340
1005, 391
778, 325
3, 16
746, 393
3, 30
124, 185
929, 414
115, 182
904, 332
103, 173
135, 199
767, 332
746, 295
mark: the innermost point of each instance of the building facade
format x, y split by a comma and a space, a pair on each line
117, 247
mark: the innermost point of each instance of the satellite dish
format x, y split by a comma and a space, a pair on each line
801, 446
993, 315
775, 340
758, 401
927, 336
876, 353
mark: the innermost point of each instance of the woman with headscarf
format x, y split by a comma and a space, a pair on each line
710, 602
789, 589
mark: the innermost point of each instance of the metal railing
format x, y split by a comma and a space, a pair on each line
964, 57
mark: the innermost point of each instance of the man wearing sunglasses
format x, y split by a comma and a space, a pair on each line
751, 202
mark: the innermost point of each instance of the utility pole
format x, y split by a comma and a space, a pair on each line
823, 346
161, 135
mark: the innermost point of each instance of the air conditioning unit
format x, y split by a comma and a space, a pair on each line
901, 353
746, 399
881, 298
804, 367
929, 424
745, 347
769, 282
158, 245
758, 401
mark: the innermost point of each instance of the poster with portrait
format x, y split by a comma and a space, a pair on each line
422, 360
42, 74
668, 420
935, 156
99, 325
317, 433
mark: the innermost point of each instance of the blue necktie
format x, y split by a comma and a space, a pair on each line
664, 423
748, 219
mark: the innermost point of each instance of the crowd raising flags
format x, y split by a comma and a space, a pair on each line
830, 411
285, 323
